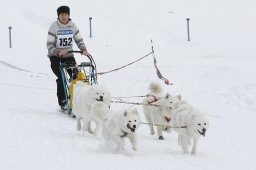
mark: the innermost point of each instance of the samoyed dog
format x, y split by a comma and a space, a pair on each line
120, 125
99, 111
84, 97
192, 122
157, 108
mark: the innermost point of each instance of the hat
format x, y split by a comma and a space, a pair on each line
63, 9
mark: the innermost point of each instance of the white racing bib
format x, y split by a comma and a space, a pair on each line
64, 38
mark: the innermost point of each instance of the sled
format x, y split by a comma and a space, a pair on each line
72, 73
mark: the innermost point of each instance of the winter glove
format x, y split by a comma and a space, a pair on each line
61, 53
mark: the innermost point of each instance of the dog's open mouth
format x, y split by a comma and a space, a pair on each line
202, 133
129, 127
100, 99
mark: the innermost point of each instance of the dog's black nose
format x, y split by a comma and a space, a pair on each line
203, 129
134, 126
101, 97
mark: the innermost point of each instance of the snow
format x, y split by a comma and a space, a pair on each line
214, 72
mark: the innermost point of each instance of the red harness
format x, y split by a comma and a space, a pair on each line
155, 99
168, 119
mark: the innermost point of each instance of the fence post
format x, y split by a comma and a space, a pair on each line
188, 29
90, 25
10, 36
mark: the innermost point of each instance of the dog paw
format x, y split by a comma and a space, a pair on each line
161, 138
193, 152
135, 148
91, 132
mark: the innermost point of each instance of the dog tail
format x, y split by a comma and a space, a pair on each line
155, 88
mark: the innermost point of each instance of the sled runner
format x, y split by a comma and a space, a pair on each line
73, 73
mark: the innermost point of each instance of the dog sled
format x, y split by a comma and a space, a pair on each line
73, 73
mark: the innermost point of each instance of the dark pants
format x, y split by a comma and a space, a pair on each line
55, 65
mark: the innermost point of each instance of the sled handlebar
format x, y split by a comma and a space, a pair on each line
89, 55
72, 51
88, 64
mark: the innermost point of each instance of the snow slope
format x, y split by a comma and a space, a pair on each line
214, 72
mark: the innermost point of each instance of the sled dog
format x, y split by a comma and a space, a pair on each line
98, 112
158, 109
195, 124
119, 125
84, 97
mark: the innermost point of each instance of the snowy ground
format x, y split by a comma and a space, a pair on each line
214, 72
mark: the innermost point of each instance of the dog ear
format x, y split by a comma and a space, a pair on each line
125, 113
179, 96
167, 96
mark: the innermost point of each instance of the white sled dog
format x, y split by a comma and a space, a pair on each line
84, 97
117, 126
158, 109
192, 122
99, 111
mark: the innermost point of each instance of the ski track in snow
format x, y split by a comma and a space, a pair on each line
160, 153
18, 68
13, 67
214, 72
33, 111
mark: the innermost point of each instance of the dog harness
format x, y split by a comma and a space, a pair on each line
168, 119
155, 99
124, 135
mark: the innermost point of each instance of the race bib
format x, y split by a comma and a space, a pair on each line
64, 38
